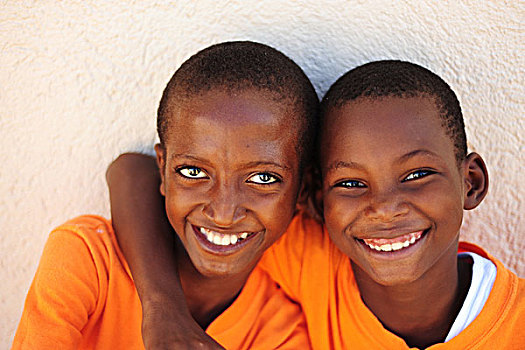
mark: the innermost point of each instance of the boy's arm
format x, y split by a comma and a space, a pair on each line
147, 241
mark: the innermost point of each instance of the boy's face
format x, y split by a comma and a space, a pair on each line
392, 191
230, 175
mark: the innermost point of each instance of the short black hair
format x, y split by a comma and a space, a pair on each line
241, 65
393, 78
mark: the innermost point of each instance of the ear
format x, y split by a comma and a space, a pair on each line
310, 194
161, 163
476, 180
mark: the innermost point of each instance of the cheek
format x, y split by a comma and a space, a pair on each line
442, 204
339, 211
275, 212
450, 213
179, 202
337, 215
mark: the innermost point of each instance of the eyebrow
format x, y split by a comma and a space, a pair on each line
341, 164
245, 165
265, 163
187, 156
418, 152
404, 158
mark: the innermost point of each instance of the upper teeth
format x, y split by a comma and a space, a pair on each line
410, 239
222, 238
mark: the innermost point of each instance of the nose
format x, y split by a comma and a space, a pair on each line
386, 206
224, 206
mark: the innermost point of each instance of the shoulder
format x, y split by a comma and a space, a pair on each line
86, 242
303, 257
303, 234
80, 244
94, 232
304, 241
503, 314
68, 285
89, 226
504, 276
262, 317
500, 321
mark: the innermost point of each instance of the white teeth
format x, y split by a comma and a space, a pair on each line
397, 246
222, 239
386, 247
411, 239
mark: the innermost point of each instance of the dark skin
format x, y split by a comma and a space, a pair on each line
389, 176
397, 176
229, 168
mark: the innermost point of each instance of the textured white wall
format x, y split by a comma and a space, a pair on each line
80, 82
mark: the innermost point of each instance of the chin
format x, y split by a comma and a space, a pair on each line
214, 272
392, 278
388, 276
392, 281
221, 269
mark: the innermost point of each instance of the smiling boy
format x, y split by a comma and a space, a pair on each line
235, 122
396, 178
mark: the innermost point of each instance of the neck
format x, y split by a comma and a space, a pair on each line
421, 312
207, 297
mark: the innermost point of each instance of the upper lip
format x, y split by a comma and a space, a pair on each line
225, 231
391, 232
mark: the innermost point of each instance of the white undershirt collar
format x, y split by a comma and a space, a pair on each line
483, 276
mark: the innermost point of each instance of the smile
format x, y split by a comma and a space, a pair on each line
393, 244
224, 239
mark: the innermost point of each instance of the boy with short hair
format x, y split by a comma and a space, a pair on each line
384, 272
235, 124
396, 178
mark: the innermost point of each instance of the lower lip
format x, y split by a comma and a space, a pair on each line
222, 249
395, 254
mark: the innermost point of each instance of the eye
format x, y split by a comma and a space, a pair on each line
192, 172
418, 174
350, 184
263, 179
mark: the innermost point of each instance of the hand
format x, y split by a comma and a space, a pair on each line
163, 329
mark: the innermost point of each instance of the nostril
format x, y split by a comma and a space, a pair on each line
224, 215
386, 211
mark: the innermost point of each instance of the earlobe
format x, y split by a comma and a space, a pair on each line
310, 194
161, 163
476, 180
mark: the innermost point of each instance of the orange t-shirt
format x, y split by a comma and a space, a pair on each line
311, 270
83, 297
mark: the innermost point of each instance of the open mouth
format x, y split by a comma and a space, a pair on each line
218, 241
393, 244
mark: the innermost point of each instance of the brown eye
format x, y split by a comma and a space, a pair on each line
192, 172
263, 179
418, 174
350, 184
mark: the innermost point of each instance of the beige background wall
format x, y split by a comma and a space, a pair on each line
80, 82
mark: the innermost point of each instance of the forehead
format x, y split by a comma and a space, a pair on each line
388, 125
233, 109
242, 123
